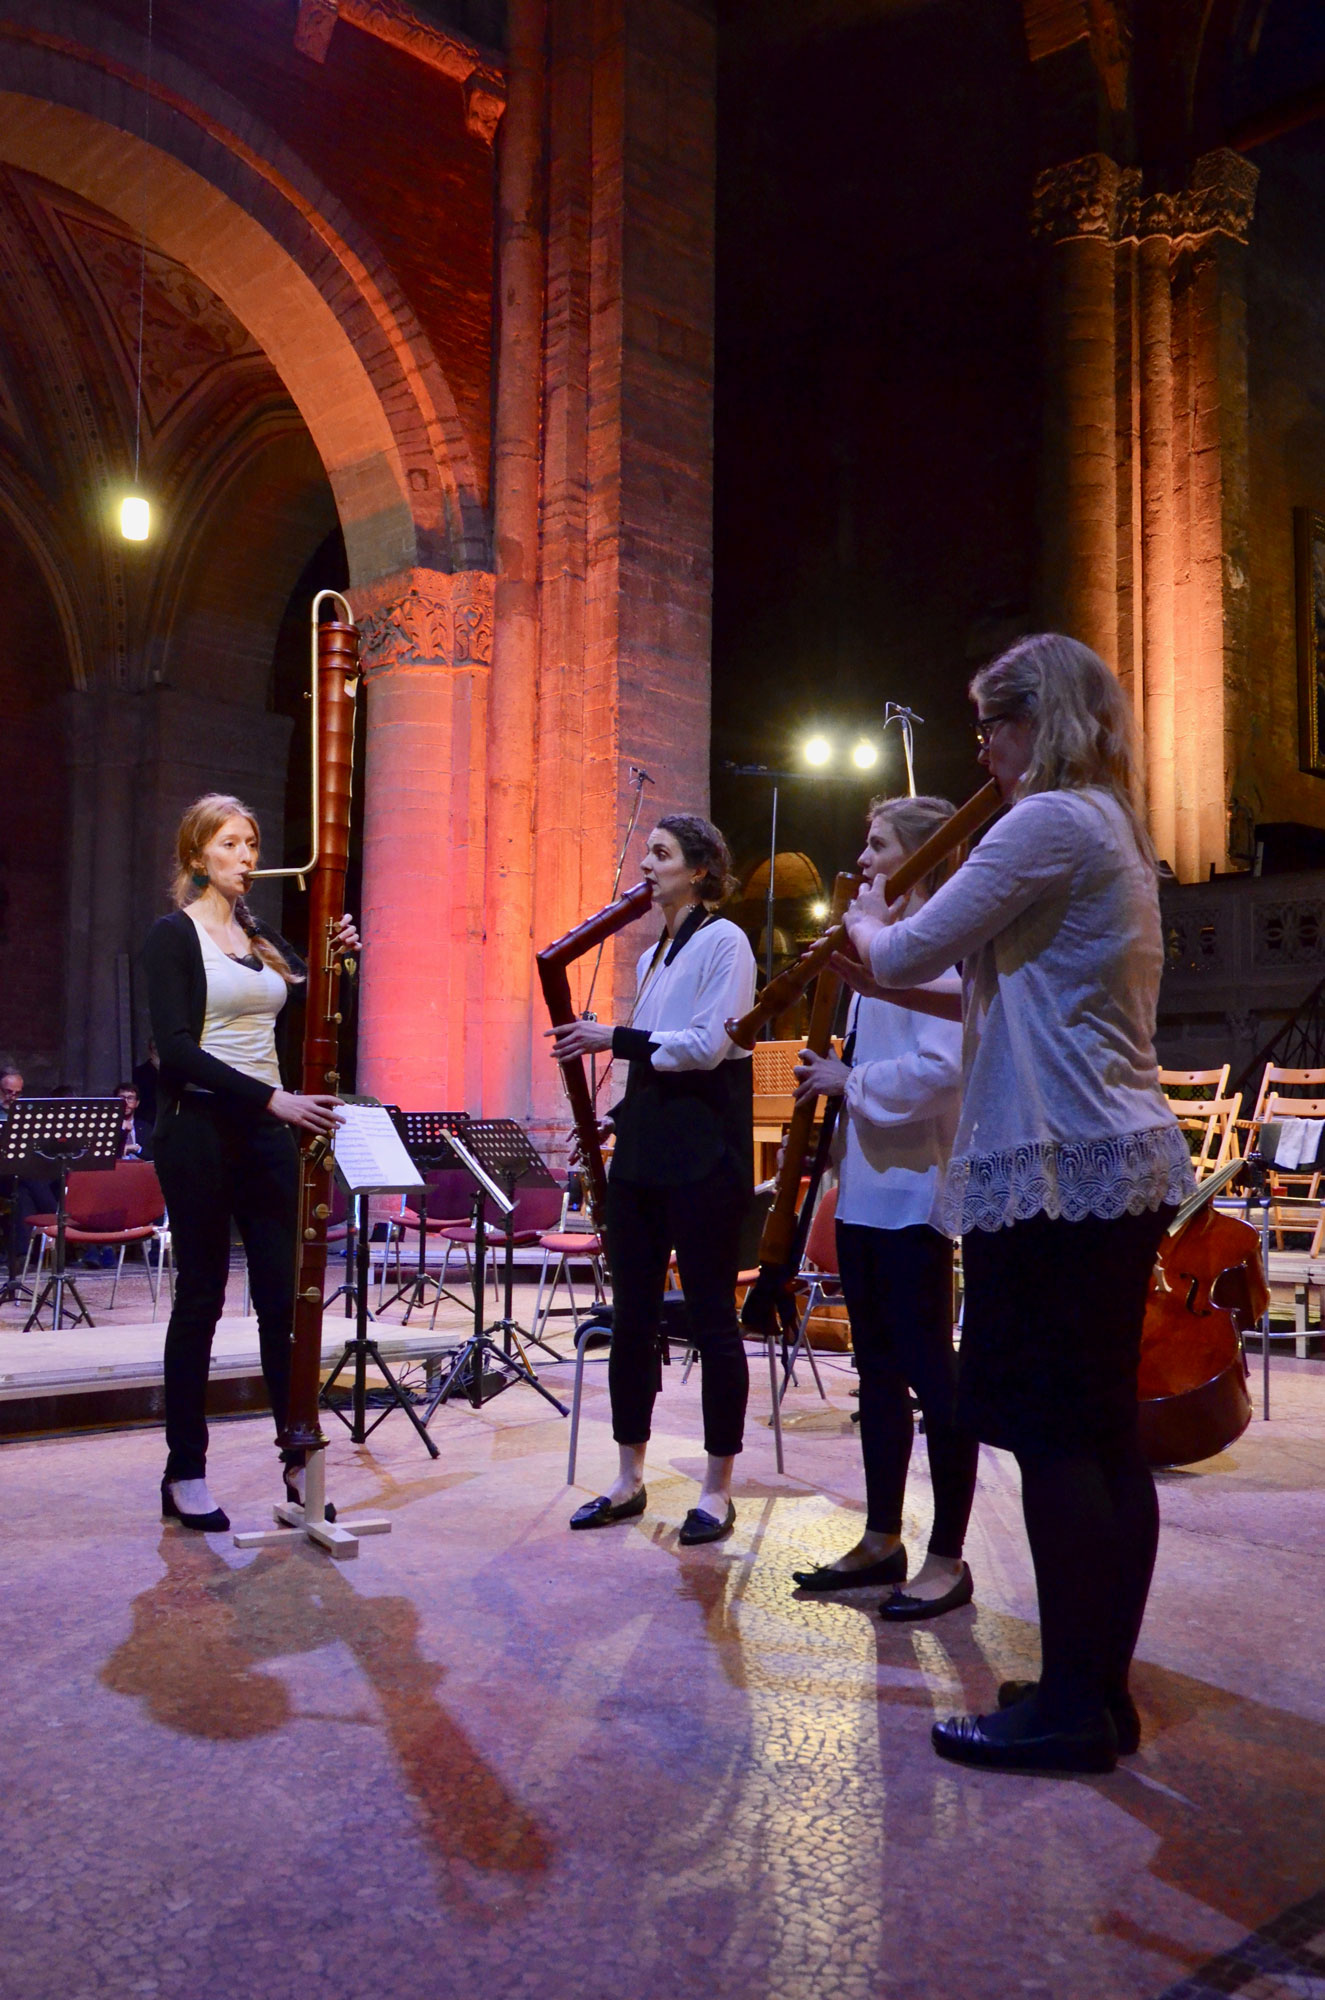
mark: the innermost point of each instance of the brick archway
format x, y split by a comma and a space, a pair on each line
226, 199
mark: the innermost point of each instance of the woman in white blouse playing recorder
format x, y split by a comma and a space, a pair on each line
1066, 1168
901, 1077
682, 1169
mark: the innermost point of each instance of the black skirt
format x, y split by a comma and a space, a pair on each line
1051, 1334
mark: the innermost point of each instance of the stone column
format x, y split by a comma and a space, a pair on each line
1157, 528
427, 651
1213, 694
511, 724
1075, 216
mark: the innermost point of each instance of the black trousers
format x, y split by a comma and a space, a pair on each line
216, 1164
702, 1223
898, 1289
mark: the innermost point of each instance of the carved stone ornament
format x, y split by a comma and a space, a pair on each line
1079, 198
425, 618
1222, 195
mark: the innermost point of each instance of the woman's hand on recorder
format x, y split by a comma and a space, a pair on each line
819, 1076
345, 941
858, 977
606, 1131
579, 1038
310, 1114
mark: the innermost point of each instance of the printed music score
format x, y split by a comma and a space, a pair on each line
369, 1155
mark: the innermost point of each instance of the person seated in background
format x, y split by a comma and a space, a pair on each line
26, 1198
136, 1130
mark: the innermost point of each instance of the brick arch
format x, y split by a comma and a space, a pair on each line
227, 199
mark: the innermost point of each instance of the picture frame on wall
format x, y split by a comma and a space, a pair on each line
1309, 549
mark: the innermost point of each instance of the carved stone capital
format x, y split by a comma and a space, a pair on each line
1222, 195
1084, 197
483, 106
425, 618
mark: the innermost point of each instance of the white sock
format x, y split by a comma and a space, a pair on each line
192, 1497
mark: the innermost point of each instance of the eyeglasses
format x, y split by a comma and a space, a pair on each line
985, 727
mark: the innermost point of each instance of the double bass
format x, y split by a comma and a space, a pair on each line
1208, 1284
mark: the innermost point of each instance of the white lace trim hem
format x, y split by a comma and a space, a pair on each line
1125, 1173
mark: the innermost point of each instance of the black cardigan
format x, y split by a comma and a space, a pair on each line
177, 1001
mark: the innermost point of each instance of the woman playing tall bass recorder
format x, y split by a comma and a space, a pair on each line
1066, 1169
216, 981
682, 1169
902, 1087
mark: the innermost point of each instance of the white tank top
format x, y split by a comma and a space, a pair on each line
240, 1024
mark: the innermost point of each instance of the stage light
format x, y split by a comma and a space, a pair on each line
818, 911
135, 518
817, 751
865, 755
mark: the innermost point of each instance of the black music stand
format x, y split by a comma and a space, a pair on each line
514, 1162
497, 1153
359, 1352
426, 1136
63, 1133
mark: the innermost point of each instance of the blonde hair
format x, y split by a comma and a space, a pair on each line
1085, 737
913, 821
200, 825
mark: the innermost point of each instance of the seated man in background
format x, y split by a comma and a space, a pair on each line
26, 1198
136, 1130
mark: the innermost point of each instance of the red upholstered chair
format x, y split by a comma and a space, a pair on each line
818, 1281
536, 1210
568, 1246
109, 1211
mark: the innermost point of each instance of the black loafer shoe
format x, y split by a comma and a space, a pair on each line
601, 1513
963, 1740
899, 1607
888, 1569
1126, 1718
701, 1527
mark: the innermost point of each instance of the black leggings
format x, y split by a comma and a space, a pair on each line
702, 1223
898, 1289
216, 1163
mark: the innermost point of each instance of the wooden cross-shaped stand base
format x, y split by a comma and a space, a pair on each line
339, 1538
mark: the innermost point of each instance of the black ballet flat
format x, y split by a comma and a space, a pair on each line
899, 1608
700, 1526
295, 1498
1126, 1717
601, 1513
963, 1739
214, 1523
888, 1569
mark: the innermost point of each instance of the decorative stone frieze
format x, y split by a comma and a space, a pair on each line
425, 618
1095, 197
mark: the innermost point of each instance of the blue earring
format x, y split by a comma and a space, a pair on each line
198, 881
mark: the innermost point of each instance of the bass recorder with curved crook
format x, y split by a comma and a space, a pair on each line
552, 962
333, 692
770, 1300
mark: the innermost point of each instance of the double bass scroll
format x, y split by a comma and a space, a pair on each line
552, 962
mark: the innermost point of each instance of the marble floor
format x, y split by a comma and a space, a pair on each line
489, 1758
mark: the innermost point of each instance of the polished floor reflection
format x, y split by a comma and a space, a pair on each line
492, 1759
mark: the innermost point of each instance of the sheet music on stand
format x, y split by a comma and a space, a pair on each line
370, 1158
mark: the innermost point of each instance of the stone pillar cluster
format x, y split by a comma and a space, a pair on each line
1145, 465
498, 782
